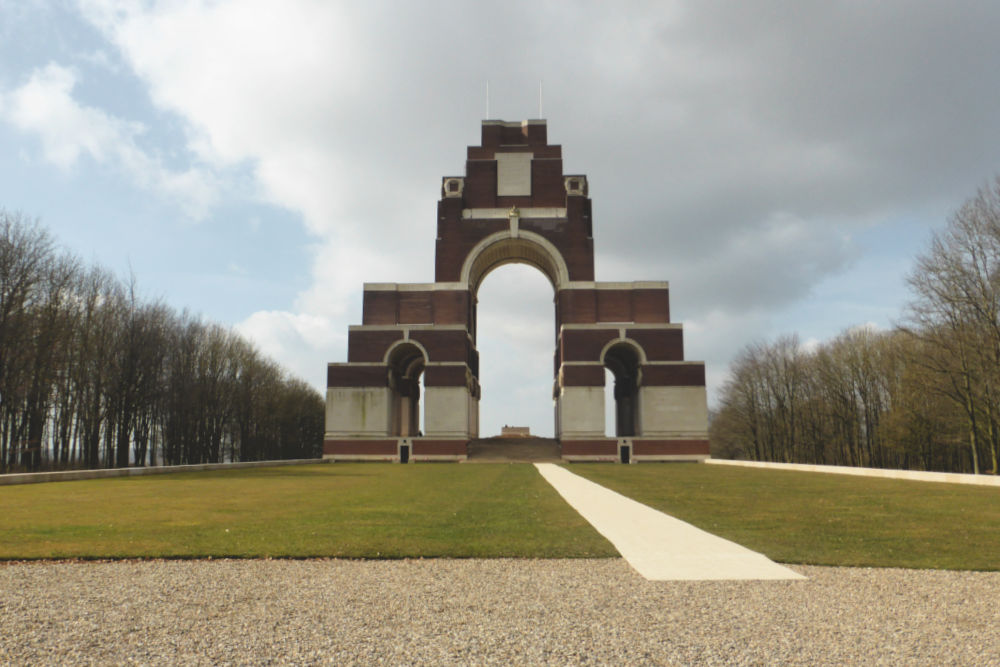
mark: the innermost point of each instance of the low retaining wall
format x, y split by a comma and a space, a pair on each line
915, 475
69, 475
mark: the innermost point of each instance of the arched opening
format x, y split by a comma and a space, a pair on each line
623, 360
506, 248
406, 363
515, 341
610, 428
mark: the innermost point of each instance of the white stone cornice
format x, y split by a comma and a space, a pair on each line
530, 212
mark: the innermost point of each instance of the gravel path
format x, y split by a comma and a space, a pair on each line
485, 612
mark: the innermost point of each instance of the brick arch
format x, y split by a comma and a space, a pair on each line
624, 358
504, 247
397, 349
406, 361
641, 353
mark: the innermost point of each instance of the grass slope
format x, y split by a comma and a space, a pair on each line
343, 510
822, 519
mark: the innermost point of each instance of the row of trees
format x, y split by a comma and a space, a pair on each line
924, 396
93, 376
862, 399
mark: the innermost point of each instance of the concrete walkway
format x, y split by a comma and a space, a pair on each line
658, 546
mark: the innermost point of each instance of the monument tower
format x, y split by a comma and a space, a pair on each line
515, 204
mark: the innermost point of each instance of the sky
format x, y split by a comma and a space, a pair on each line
257, 161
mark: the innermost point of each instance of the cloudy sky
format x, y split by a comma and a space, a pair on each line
256, 161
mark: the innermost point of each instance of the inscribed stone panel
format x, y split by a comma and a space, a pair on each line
513, 174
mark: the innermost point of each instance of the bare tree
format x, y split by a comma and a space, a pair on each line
93, 375
956, 309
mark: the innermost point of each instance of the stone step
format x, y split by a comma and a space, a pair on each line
495, 450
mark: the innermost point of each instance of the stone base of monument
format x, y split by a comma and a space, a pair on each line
402, 450
500, 449
634, 450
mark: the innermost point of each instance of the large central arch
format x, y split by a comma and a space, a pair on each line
503, 248
515, 205
506, 247
515, 337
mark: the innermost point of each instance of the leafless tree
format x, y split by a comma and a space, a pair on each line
92, 375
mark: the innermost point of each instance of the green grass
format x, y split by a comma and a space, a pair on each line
392, 511
822, 519
342, 510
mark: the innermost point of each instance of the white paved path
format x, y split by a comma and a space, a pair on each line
658, 546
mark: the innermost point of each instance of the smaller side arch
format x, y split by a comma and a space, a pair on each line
405, 361
624, 358
621, 340
392, 350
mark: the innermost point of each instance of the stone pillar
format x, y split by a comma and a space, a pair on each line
358, 411
447, 412
580, 412
673, 412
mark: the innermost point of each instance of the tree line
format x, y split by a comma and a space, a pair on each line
92, 375
924, 395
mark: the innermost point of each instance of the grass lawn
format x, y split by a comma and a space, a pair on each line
392, 511
822, 519
343, 510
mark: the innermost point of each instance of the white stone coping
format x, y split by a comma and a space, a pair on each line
516, 123
404, 328
415, 287
644, 362
914, 475
568, 285
635, 284
526, 213
71, 475
621, 326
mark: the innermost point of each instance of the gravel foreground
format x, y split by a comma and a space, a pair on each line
485, 612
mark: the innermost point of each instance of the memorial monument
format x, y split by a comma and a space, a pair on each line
515, 204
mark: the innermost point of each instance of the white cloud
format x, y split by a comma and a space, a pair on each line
274, 85
732, 149
295, 340
68, 131
255, 81
810, 345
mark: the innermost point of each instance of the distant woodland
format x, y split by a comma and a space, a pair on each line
91, 375
924, 396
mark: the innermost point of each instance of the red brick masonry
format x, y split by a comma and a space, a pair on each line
669, 447
356, 447
640, 447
